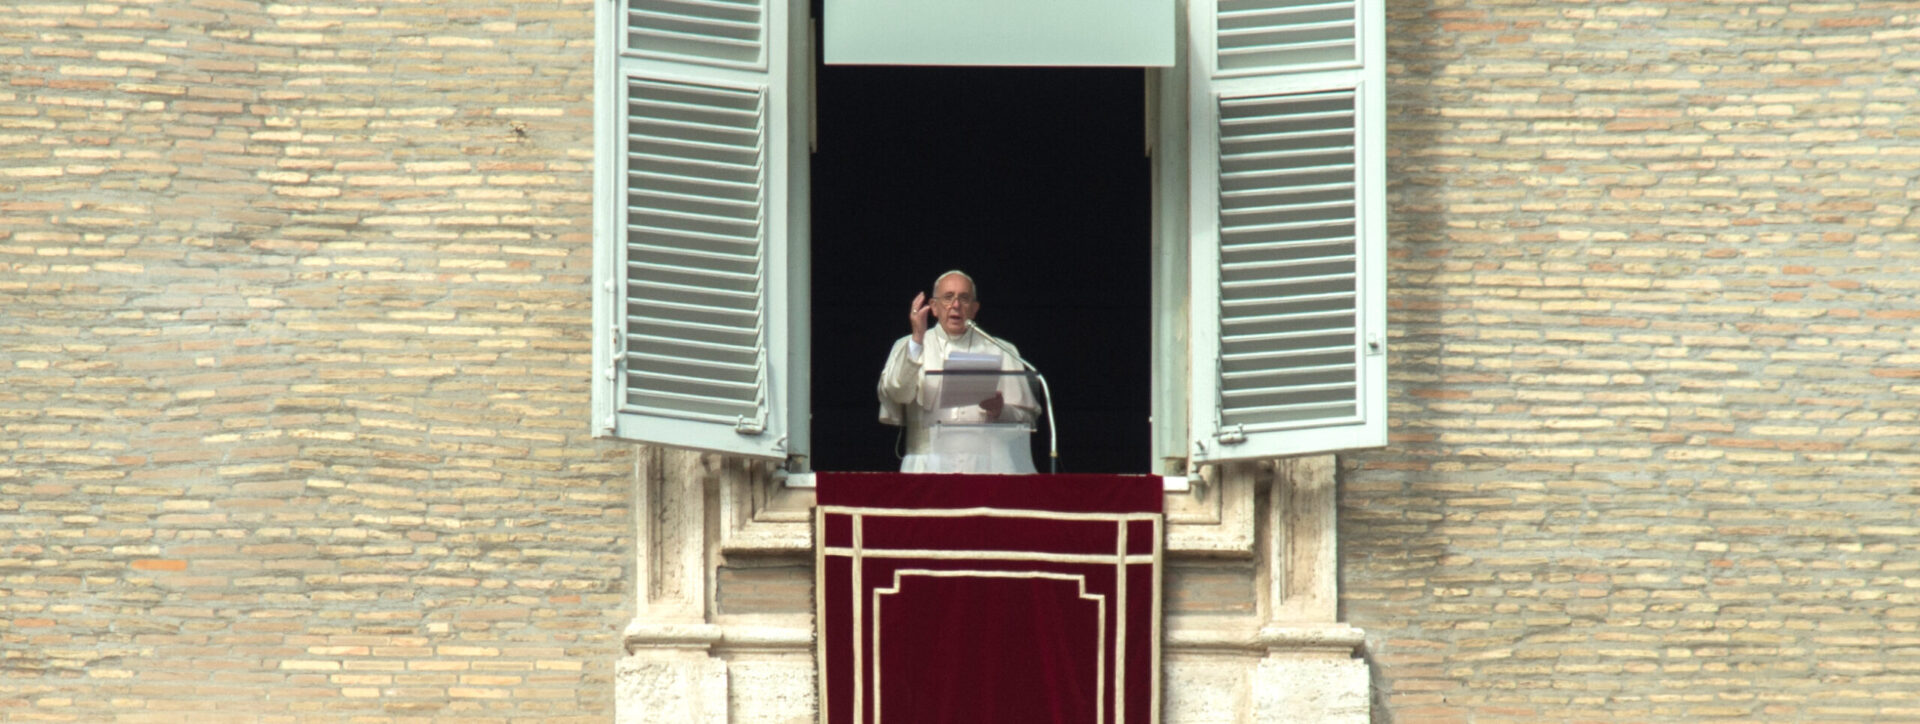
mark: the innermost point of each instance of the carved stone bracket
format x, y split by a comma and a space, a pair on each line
1215, 515
669, 673
671, 488
762, 514
1311, 672
1302, 548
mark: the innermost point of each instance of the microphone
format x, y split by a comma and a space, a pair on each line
1053, 438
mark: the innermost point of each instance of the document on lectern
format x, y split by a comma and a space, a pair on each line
971, 377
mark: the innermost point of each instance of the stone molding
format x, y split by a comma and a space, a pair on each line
1214, 516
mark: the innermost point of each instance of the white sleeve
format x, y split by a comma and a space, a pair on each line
900, 379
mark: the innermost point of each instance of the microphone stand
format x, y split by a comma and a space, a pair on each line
1053, 438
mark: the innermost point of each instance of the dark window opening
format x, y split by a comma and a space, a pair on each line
1033, 180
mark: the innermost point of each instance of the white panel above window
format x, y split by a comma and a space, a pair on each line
1000, 32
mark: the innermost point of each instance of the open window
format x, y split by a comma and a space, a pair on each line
1033, 180
1268, 248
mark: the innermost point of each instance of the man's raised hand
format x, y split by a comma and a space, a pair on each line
917, 319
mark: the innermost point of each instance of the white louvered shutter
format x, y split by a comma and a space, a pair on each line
693, 242
1288, 238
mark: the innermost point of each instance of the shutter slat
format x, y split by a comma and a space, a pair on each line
1287, 354
1307, 135
1345, 369
1290, 226
716, 167
1259, 193
1291, 299
740, 47
1282, 12
713, 257
751, 240
1229, 117
1290, 390
695, 144
752, 205
686, 291
689, 405
678, 384
1284, 173
1291, 317
718, 275
1289, 245
703, 345
663, 213
742, 108
1238, 339
686, 321
723, 5
1270, 35
650, 18
684, 325
1303, 411
699, 30
1235, 25
748, 368
1266, 50
644, 178
1277, 283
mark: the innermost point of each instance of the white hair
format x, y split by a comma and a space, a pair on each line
963, 275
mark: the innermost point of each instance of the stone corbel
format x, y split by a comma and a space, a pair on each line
670, 673
761, 513
1311, 671
1215, 515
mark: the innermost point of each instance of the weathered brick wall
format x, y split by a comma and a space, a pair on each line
1656, 366
293, 365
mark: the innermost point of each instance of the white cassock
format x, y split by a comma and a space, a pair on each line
909, 397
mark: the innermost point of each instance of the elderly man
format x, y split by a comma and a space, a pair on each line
909, 397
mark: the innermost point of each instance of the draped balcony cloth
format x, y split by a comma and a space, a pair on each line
988, 598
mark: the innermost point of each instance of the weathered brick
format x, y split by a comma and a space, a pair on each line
293, 343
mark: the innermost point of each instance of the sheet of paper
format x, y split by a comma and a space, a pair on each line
967, 390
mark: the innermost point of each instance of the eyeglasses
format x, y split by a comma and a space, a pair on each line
952, 299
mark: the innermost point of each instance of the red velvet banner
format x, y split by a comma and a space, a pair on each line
988, 598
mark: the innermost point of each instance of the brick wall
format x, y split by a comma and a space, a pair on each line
1656, 366
293, 364
293, 367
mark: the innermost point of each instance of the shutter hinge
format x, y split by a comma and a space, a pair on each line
1232, 436
619, 345
1374, 345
